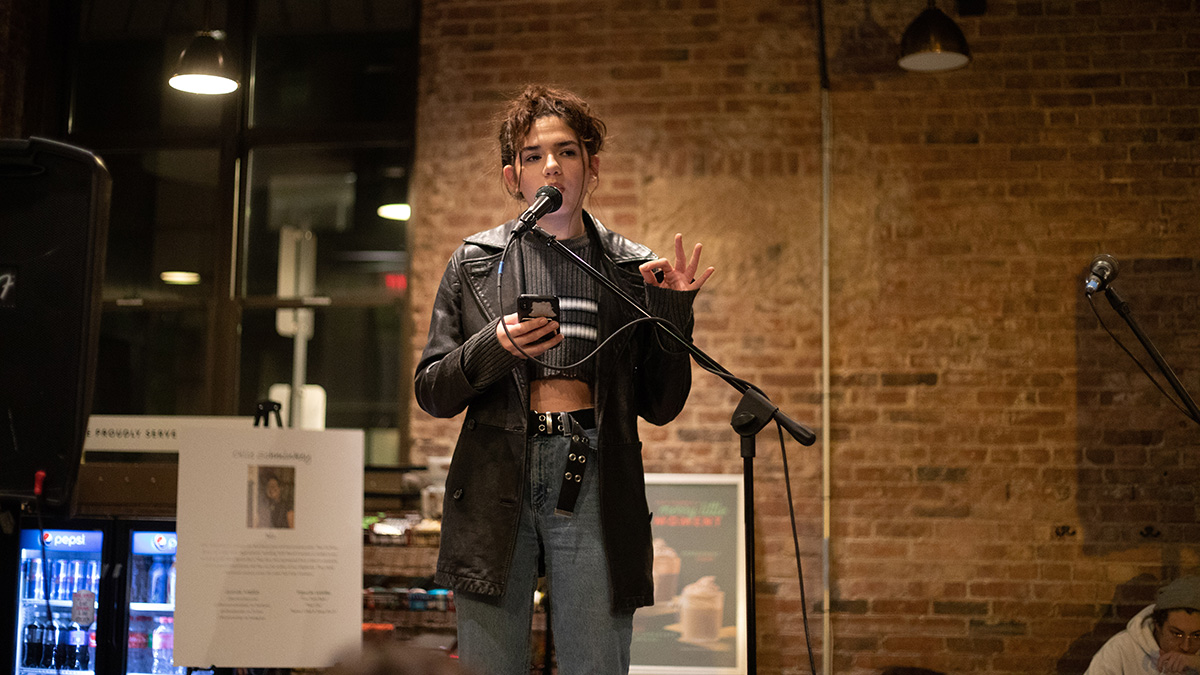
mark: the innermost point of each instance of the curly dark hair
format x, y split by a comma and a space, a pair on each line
536, 101
1160, 615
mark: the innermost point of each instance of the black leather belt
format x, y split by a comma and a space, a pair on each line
572, 425
558, 423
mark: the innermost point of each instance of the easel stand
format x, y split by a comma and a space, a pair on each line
753, 413
263, 413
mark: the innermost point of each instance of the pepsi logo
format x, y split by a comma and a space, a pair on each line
163, 542
69, 540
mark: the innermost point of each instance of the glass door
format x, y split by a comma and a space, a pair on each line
58, 587
150, 609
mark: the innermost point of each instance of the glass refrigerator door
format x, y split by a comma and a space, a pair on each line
63, 585
151, 608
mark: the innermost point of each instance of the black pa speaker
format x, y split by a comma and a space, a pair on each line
54, 202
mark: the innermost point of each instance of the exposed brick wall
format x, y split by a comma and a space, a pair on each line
994, 460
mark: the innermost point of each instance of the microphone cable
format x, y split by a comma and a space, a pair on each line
602, 345
787, 486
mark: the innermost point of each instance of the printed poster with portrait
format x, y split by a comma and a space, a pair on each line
270, 555
697, 622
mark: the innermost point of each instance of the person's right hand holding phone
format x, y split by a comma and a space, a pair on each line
527, 334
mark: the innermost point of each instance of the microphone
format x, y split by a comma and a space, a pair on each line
1103, 272
547, 200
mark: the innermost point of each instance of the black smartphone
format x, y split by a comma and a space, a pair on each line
531, 306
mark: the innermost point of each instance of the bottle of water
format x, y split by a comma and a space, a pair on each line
158, 583
163, 647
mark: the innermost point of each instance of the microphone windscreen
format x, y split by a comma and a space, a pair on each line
552, 194
1105, 266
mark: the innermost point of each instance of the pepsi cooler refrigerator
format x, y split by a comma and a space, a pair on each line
110, 589
56, 610
149, 614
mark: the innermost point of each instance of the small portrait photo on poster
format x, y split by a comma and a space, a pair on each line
271, 497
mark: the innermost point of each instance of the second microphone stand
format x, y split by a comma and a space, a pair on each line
1118, 303
753, 412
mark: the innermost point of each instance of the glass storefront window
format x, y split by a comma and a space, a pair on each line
163, 219
352, 353
247, 246
313, 224
127, 53
152, 363
354, 66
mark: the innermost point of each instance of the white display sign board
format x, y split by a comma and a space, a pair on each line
270, 555
111, 436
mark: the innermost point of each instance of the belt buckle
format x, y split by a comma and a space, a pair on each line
550, 423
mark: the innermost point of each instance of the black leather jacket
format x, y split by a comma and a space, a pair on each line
637, 376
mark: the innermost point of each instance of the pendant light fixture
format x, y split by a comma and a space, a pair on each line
203, 67
933, 43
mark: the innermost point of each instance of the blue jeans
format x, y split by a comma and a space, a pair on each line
589, 638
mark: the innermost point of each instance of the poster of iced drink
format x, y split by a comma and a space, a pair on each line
696, 624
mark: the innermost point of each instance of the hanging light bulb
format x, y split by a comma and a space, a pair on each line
203, 67
933, 43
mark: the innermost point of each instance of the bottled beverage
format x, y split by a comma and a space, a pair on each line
139, 645
50, 635
75, 655
91, 655
158, 582
60, 654
32, 644
137, 580
93, 576
163, 646
171, 584
34, 587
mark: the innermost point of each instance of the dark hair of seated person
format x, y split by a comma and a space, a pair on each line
1160, 615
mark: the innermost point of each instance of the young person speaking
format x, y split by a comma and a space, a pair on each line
547, 474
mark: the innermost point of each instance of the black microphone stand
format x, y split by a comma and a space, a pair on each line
753, 412
1122, 308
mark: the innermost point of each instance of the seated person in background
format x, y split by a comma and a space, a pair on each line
1162, 638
